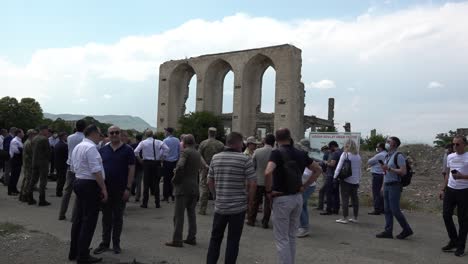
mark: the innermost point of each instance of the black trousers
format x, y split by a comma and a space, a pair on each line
168, 170
236, 224
16, 164
151, 178
52, 160
112, 219
61, 177
456, 198
332, 192
85, 218
259, 195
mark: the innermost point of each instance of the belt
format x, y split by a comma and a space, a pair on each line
392, 183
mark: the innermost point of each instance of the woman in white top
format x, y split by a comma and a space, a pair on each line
350, 185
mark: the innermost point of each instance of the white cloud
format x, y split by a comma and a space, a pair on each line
107, 96
351, 89
435, 85
323, 85
372, 45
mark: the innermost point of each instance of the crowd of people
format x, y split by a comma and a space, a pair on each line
243, 177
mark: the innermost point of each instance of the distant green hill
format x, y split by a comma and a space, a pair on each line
123, 121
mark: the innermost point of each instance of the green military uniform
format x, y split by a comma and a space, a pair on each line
27, 169
40, 167
208, 148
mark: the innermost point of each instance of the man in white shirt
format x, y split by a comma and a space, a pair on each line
16, 161
72, 141
455, 194
153, 152
90, 190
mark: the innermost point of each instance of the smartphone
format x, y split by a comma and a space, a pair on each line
454, 171
381, 162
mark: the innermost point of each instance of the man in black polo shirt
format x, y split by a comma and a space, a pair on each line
283, 183
119, 167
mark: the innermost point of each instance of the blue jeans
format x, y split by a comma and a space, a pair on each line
305, 212
392, 195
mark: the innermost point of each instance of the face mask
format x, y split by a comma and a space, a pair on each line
377, 150
387, 145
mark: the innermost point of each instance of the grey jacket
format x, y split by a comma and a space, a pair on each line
186, 172
260, 160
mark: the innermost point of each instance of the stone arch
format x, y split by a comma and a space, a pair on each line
252, 89
214, 85
179, 90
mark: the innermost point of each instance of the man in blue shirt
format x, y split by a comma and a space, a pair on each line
377, 178
119, 168
392, 190
170, 162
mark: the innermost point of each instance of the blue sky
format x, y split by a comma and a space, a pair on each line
391, 65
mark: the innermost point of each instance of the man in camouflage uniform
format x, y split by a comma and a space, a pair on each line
208, 148
27, 164
40, 166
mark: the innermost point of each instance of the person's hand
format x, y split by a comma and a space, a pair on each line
441, 195
104, 195
301, 190
126, 195
384, 167
457, 175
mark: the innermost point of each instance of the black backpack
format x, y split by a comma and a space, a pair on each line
291, 173
405, 179
346, 171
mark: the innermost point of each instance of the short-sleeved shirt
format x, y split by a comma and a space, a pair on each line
336, 157
302, 159
230, 170
116, 166
391, 176
459, 163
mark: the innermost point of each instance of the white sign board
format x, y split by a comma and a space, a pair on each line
320, 139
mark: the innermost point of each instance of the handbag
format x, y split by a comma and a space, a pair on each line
346, 170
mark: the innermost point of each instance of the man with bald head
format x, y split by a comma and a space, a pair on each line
152, 151
119, 167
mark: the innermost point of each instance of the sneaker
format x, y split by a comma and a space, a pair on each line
353, 220
302, 232
460, 252
101, 249
450, 247
342, 221
174, 244
44, 203
384, 235
404, 234
374, 213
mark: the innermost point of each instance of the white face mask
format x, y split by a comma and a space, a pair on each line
377, 150
387, 145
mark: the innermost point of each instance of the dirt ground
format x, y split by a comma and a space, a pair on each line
44, 239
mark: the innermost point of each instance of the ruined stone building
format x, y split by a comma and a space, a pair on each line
248, 67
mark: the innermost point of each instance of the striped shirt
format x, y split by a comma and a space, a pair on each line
230, 170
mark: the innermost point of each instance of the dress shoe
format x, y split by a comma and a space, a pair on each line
250, 223
100, 249
62, 217
374, 213
43, 203
404, 234
384, 235
144, 206
31, 201
59, 194
265, 226
326, 213
117, 249
89, 259
450, 247
175, 244
460, 252
191, 242
158, 206
13, 193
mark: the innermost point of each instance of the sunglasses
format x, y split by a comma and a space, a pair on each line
114, 133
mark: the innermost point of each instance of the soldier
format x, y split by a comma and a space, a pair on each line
27, 164
40, 166
208, 148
